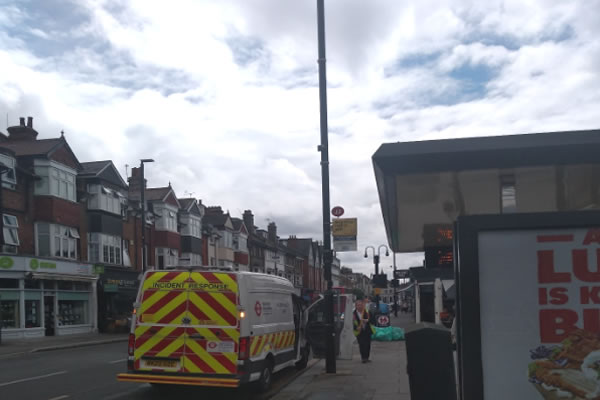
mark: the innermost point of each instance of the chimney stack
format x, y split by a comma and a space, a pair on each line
134, 182
22, 132
272, 229
248, 218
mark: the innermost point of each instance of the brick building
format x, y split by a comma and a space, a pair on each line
47, 286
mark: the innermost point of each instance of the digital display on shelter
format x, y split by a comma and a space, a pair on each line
540, 314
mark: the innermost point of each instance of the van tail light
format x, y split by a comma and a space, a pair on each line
244, 348
131, 344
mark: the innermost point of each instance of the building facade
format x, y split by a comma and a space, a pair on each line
47, 284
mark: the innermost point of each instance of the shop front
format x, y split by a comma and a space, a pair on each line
44, 297
117, 291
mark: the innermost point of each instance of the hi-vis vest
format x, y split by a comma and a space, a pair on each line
356, 322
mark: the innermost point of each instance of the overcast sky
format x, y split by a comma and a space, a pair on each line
223, 94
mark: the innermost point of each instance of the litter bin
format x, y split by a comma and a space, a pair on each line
430, 362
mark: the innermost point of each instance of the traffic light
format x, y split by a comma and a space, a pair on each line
395, 283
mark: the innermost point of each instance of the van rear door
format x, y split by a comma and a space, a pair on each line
160, 328
212, 336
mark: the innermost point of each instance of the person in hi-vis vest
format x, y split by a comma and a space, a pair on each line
363, 329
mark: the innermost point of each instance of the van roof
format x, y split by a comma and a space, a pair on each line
222, 271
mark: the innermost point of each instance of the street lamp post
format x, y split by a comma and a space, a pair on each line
143, 202
395, 292
330, 366
376, 257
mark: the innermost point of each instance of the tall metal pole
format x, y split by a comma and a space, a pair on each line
143, 218
395, 292
330, 366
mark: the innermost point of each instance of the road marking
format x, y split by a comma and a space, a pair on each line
117, 361
64, 396
32, 378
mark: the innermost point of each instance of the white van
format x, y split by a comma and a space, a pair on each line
215, 328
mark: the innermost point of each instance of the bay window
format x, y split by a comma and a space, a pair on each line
54, 240
104, 248
192, 226
166, 257
167, 220
56, 180
191, 259
103, 198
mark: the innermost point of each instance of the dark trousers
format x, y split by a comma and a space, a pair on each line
364, 343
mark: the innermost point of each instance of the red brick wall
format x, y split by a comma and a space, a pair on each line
241, 258
205, 260
132, 234
168, 239
60, 211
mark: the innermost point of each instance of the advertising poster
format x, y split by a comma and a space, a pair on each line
539, 306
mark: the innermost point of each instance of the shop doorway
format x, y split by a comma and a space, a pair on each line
49, 319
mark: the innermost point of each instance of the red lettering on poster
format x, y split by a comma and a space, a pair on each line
581, 266
590, 295
591, 320
546, 272
559, 296
593, 236
555, 325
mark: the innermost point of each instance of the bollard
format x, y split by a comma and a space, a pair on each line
430, 362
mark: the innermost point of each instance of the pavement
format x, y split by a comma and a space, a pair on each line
385, 378
16, 347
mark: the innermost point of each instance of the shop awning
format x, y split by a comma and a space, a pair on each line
65, 277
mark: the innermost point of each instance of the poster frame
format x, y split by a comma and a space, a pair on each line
467, 229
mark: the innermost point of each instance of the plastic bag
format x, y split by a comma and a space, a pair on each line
397, 333
388, 334
383, 334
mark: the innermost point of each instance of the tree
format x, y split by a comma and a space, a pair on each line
358, 293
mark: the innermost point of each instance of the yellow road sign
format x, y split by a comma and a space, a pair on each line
344, 227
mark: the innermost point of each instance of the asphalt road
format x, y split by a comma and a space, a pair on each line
90, 373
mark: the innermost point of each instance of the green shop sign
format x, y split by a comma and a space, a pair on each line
98, 269
36, 264
6, 262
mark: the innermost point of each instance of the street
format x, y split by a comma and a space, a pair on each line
90, 373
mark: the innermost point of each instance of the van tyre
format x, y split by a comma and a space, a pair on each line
303, 362
266, 376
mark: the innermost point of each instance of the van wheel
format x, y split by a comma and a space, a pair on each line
266, 376
303, 362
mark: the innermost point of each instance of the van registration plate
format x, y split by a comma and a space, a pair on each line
164, 364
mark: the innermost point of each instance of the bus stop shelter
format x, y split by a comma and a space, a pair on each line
424, 186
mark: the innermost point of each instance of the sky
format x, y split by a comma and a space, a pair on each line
223, 94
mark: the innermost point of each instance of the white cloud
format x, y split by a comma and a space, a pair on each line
224, 94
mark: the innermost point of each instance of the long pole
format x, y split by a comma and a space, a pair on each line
143, 218
330, 366
394, 280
